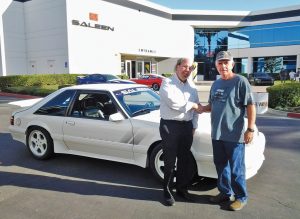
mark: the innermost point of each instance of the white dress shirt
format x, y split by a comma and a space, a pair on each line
177, 99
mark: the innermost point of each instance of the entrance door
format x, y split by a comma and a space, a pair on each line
139, 67
128, 68
133, 69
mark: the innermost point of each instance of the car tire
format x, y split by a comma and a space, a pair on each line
155, 87
39, 143
157, 164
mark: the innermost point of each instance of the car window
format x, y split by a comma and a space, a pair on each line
138, 101
58, 105
91, 105
111, 77
98, 77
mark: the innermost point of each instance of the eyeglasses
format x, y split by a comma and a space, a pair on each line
191, 68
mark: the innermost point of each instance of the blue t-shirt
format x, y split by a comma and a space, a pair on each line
228, 100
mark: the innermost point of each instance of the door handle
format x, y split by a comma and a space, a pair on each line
70, 123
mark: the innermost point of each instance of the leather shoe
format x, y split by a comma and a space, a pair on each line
185, 194
169, 199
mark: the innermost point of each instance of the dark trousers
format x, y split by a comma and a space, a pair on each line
177, 139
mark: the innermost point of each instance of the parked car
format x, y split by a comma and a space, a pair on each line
101, 78
261, 79
117, 122
151, 80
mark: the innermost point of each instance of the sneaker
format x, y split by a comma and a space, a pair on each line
237, 205
221, 198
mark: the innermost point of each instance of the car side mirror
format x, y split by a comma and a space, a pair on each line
116, 117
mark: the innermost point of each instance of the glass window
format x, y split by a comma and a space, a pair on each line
137, 101
280, 34
111, 77
58, 105
97, 77
92, 105
274, 64
208, 42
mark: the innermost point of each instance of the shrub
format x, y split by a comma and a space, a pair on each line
123, 76
37, 80
167, 74
33, 90
244, 74
284, 95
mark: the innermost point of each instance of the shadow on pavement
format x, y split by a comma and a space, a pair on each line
81, 175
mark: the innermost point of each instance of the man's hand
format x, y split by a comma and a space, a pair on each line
199, 108
248, 137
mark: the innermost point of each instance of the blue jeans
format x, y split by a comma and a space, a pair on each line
229, 159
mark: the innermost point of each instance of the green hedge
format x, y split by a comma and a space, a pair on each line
37, 80
284, 95
167, 74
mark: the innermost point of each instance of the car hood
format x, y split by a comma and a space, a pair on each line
153, 116
25, 103
263, 77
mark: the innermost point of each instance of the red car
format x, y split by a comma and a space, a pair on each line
151, 80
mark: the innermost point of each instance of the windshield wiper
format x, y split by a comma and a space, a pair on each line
141, 111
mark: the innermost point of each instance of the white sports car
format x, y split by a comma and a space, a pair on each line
117, 122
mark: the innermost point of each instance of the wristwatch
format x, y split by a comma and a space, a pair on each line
250, 129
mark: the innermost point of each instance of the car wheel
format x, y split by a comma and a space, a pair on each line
155, 87
157, 164
39, 143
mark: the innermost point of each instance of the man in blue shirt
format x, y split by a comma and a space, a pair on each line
230, 100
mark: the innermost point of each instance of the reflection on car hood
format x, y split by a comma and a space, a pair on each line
124, 81
263, 76
26, 103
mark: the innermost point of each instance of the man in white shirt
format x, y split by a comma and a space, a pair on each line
179, 102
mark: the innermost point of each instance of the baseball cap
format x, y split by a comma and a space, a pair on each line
224, 55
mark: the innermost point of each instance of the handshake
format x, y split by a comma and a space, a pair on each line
199, 108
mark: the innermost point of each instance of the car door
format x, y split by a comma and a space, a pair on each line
87, 130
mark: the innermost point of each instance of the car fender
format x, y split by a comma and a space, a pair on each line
59, 146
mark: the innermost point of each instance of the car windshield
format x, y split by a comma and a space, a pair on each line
138, 101
111, 77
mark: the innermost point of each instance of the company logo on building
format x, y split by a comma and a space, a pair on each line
92, 17
147, 50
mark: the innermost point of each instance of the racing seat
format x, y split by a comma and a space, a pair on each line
92, 108
109, 109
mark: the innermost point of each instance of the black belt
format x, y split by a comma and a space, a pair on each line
176, 121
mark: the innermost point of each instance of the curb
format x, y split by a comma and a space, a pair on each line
283, 113
293, 115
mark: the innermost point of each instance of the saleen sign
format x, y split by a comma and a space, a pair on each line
95, 26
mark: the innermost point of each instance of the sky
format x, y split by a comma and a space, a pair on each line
232, 5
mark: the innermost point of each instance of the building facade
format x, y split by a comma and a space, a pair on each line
135, 37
